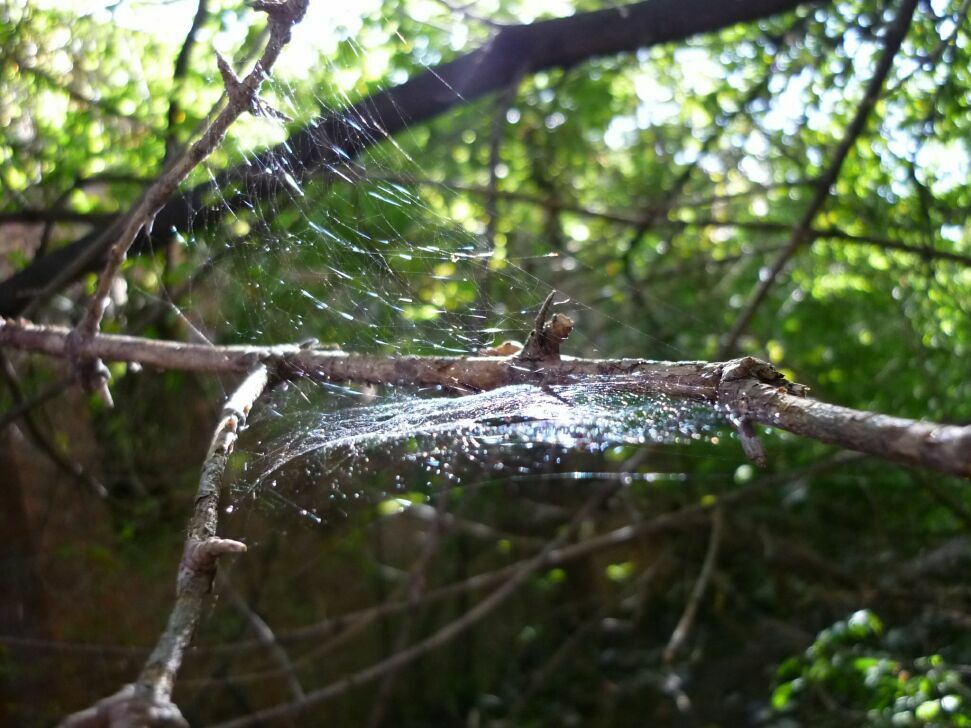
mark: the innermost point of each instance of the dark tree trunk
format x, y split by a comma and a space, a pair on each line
332, 139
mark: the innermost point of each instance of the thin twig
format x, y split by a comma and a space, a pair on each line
149, 700
442, 637
266, 638
179, 71
503, 102
685, 624
26, 404
37, 436
542, 675
950, 501
417, 579
929, 62
559, 204
96, 104
242, 97
831, 233
29, 216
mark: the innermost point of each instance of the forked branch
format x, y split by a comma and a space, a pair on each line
242, 94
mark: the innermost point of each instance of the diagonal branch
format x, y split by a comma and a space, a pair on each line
685, 624
283, 15
440, 638
802, 232
149, 700
268, 640
330, 140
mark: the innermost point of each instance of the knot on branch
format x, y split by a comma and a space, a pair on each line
89, 370
748, 367
199, 559
283, 15
242, 95
133, 705
545, 338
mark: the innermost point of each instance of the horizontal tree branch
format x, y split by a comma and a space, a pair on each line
638, 219
330, 140
743, 388
38, 217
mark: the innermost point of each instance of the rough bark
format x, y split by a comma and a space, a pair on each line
744, 388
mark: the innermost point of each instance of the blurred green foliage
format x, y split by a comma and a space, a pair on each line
652, 189
850, 671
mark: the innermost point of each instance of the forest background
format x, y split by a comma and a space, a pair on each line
696, 180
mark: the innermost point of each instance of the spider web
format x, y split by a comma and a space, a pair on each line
360, 257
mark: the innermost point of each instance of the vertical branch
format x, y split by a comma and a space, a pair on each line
179, 72
504, 101
415, 588
802, 233
149, 700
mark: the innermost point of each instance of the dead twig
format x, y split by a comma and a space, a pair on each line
242, 93
22, 409
269, 641
24, 405
442, 637
179, 71
148, 701
417, 579
681, 632
745, 387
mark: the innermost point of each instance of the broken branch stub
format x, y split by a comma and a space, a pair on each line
544, 340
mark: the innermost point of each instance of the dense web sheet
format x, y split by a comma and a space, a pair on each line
310, 449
